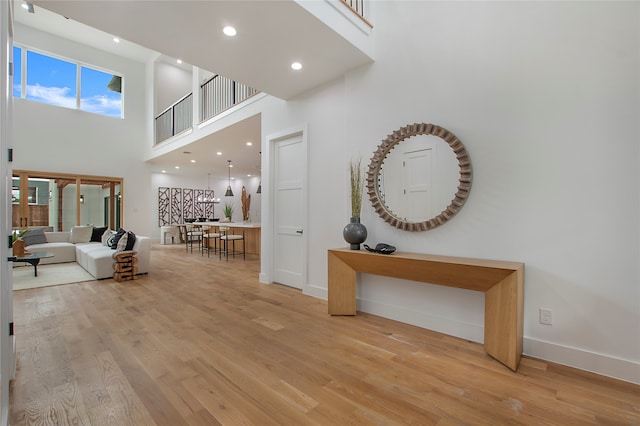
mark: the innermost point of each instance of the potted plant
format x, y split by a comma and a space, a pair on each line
355, 233
17, 243
228, 211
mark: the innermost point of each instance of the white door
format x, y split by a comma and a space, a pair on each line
417, 187
289, 211
7, 343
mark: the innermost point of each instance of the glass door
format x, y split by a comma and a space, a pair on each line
60, 201
29, 202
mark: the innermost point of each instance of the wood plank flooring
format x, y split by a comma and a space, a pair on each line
199, 341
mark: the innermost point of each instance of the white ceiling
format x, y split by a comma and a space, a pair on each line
271, 35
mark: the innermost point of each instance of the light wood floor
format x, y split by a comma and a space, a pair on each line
201, 342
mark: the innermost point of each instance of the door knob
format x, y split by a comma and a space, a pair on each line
299, 231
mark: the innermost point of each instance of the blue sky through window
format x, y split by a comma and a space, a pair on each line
53, 81
95, 95
17, 72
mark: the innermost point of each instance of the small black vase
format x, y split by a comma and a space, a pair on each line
355, 233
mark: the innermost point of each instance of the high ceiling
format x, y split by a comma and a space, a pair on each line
271, 35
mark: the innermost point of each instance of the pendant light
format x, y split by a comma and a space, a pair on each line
229, 192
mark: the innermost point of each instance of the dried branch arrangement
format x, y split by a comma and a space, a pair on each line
246, 203
357, 186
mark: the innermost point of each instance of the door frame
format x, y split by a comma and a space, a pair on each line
7, 339
267, 257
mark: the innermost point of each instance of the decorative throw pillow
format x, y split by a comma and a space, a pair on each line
116, 238
107, 237
126, 242
122, 242
81, 234
34, 236
96, 234
131, 240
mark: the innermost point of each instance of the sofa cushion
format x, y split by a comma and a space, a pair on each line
58, 236
116, 238
81, 234
96, 234
34, 236
62, 252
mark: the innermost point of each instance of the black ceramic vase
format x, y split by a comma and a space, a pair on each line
355, 233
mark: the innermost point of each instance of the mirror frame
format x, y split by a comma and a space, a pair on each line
391, 141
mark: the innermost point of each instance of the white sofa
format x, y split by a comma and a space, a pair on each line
94, 257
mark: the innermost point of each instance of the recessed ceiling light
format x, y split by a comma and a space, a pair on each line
164, 171
229, 30
249, 143
193, 161
248, 175
230, 165
177, 167
218, 153
296, 66
179, 61
116, 40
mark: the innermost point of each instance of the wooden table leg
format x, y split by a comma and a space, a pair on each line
503, 319
342, 287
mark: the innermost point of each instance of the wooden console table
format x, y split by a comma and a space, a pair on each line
501, 282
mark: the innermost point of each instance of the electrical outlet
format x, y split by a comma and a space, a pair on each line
545, 316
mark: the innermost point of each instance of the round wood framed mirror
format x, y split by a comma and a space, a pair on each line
410, 211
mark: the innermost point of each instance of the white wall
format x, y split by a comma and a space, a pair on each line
171, 84
545, 98
55, 139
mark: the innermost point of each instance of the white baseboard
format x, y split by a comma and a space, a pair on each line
463, 330
263, 278
604, 365
317, 292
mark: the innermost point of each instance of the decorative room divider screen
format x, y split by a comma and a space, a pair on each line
177, 204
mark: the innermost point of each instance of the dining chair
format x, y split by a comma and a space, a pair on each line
209, 237
193, 233
226, 236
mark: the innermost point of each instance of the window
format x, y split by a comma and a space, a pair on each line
100, 92
64, 83
17, 72
50, 80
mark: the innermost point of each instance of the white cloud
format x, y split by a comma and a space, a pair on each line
52, 95
61, 96
102, 105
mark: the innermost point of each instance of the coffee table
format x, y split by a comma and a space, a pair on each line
34, 259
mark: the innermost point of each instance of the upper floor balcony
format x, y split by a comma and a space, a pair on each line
216, 95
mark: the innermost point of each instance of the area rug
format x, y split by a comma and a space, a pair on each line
48, 275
